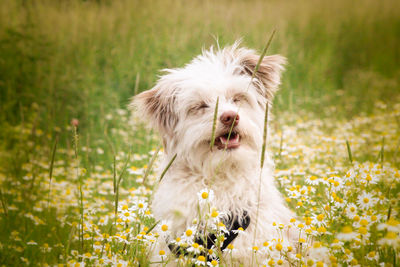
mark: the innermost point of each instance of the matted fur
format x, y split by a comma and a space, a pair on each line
181, 108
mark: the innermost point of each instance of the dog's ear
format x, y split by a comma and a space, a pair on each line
156, 106
268, 73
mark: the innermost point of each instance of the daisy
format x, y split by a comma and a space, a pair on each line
391, 225
372, 256
201, 260
312, 180
366, 200
205, 196
213, 263
351, 210
347, 234
195, 248
391, 239
189, 234
163, 228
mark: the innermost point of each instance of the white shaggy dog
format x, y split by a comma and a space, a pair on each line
181, 107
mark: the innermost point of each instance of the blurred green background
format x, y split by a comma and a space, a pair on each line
81, 59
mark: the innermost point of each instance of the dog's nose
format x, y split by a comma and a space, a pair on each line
228, 117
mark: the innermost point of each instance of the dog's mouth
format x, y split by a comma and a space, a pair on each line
227, 142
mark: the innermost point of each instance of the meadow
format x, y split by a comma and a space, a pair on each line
77, 167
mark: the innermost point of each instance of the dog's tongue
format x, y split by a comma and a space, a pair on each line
233, 142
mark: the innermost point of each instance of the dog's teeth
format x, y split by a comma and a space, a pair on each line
223, 140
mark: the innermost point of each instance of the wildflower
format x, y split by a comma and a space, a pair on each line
230, 248
337, 244
201, 260
318, 251
347, 234
391, 239
162, 255
391, 225
195, 248
372, 256
188, 235
366, 200
312, 180
238, 231
351, 210
213, 263
205, 196
45, 248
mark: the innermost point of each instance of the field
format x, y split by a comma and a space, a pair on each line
77, 167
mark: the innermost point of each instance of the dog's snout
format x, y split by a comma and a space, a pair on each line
228, 117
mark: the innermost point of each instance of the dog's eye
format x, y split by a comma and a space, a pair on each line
239, 98
202, 106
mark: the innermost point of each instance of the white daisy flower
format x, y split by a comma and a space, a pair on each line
366, 200
205, 196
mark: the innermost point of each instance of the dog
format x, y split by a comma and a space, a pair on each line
181, 107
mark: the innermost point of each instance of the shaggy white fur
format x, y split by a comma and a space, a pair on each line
181, 107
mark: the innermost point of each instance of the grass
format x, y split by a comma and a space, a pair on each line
64, 60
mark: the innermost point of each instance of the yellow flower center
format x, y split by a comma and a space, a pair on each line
392, 222
164, 227
214, 213
391, 235
189, 232
204, 195
347, 229
363, 230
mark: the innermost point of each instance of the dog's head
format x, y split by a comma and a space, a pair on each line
182, 104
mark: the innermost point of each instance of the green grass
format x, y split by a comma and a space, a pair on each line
61, 60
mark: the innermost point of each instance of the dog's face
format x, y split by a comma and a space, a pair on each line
182, 104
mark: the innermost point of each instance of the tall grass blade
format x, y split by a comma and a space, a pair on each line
53, 155
166, 168
80, 182
382, 151
119, 182
152, 227
214, 125
3, 204
151, 163
263, 54
265, 132
349, 151
123, 169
